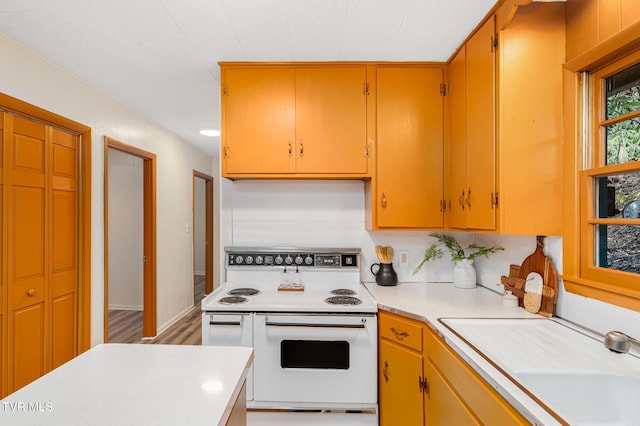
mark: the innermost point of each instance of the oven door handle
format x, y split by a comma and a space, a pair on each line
225, 322
308, 325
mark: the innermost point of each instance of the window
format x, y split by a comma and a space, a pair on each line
610, 179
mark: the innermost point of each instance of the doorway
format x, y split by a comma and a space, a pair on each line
202, 235
132, 296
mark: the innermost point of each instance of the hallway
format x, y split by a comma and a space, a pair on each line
126, 326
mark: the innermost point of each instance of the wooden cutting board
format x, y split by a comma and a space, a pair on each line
535, 262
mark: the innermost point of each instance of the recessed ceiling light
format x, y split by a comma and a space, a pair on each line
210, 132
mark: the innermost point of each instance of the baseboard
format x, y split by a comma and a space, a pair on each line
203, 273
173, 320
126, 308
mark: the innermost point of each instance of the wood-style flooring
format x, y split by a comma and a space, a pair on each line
126, 326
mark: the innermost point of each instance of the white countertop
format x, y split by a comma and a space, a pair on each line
134, 384
430, 301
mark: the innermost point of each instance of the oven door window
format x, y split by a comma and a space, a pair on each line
314, 354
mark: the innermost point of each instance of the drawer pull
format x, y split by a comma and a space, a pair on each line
385, 371
400, 335
31, 292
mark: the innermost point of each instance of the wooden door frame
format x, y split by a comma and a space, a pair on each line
32, 112
208, 283
149, 231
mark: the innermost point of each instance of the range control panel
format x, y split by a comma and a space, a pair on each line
252, 257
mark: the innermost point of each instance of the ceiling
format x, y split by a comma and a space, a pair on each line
160, 57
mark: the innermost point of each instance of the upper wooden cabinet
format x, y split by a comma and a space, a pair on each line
509, 156
471, 167
331, 120
408, 187
531, 53
294, 121
258, 133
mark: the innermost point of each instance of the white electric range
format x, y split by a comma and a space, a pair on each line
312, 325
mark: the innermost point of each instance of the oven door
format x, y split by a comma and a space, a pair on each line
229, 329
312, 358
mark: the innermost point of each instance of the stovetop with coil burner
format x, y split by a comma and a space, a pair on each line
330, 278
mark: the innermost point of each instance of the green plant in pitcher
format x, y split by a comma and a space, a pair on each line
458, 253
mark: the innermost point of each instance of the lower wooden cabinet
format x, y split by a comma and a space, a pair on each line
400, 373
487, 406
400, 385
443, 403
422, 381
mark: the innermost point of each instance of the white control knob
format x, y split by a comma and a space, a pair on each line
308, 260
298, 260
259, 260
288, 260
279, 260
239, 259
249, 260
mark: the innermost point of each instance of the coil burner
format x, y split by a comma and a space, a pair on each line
244, 291
232, 300
343, 300
343, 292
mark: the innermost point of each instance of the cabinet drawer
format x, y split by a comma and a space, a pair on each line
478, 395
400, 330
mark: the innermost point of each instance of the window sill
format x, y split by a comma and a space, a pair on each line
609, 293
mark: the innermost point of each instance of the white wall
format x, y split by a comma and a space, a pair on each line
27, 76
331, 213
199, 224
126, 231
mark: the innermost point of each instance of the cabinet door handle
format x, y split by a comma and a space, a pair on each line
31, 292
400, 335
290, 149
301, 148
383, 201
469, 198
385, 371
461, 200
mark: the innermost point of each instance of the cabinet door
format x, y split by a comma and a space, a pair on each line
63, 271
3, 376
27, 346
26, 151
400, 372
455, 376
456, 182
442, 406
409, 147
259, 120
531, 51
480, 105
331, 120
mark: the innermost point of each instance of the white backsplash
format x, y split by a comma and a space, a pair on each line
332, 214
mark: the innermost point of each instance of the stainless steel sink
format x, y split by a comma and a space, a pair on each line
567, 369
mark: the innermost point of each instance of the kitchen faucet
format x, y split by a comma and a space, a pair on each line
617, 341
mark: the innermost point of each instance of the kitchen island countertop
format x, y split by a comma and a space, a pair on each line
115, 384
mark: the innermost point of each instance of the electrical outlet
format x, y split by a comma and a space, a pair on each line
404, 257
